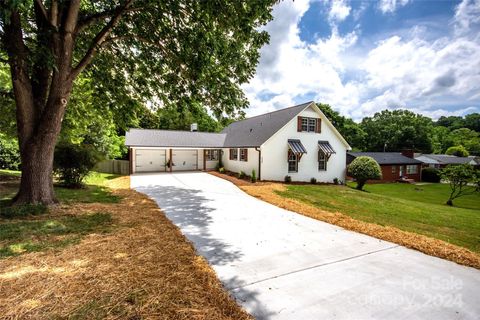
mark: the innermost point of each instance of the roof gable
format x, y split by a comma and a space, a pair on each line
254, 131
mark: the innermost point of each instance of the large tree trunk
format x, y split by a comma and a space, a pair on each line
36, 184
37, 148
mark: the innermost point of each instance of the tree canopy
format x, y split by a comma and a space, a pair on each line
396, 130
138, 52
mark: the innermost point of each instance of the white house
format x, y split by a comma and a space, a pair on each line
298, 141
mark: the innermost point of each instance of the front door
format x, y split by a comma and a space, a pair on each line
400, 171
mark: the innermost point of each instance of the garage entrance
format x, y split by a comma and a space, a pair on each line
184, 160
150, 160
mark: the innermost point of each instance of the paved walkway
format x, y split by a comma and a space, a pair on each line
282, 265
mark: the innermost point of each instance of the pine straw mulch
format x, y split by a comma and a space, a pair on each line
144, 269
434, 247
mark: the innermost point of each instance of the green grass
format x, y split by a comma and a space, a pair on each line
434, 193
95, 190
23, 236
10, 173
390, 205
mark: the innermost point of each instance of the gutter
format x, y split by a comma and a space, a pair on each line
259, 162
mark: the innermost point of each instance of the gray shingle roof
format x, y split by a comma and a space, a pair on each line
253, 132
173, 138
386, 157
448, 159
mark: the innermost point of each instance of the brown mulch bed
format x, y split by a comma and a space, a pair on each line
144, 269
434, 247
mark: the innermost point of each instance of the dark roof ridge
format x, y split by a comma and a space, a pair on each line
174, 130
264, 114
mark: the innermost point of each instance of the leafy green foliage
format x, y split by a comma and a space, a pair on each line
73, 163
241, 175
463, 179
253, 177
456, 131
313, 180
364, 168
287, 179
396, 130
431, 175
458, 151
351, 131
9, 153
221, 170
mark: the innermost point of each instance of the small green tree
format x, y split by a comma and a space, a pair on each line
72, 163
254, 176
364, 168
458, 151
464, 180
9, 153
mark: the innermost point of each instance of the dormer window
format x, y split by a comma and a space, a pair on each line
306, 124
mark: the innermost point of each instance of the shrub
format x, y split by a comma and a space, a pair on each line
313, 180
458, 151
336, 181
9, 153
364, 168
431, 175
288, 179
72, 163
241, 175
253, 178
221, 170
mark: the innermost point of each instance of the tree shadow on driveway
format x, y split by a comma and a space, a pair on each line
190, 211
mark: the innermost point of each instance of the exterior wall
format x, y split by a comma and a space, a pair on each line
275, 151
210, 165
237, 165
388, 175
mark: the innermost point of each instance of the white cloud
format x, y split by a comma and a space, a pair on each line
339, 10
411, 72
389, 6
467, 15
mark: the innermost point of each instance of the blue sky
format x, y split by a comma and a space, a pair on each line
365, 56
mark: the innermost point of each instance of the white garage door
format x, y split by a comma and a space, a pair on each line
184, 160
149, 160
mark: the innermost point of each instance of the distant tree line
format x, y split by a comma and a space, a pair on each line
395, 130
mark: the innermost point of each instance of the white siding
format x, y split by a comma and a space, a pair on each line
237, 165
275, 150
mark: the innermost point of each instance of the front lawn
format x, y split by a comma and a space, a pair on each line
23, 236
95, 189
104, 252
434, 193
399, 205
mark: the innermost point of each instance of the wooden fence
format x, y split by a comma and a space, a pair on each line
114, 166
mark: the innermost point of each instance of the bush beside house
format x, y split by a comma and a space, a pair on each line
364, 168
431, 175
72, 163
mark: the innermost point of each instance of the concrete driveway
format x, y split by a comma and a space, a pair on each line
282, 265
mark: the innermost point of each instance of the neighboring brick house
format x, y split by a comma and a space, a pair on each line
394, 165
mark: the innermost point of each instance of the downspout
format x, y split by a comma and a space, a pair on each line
259, 162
